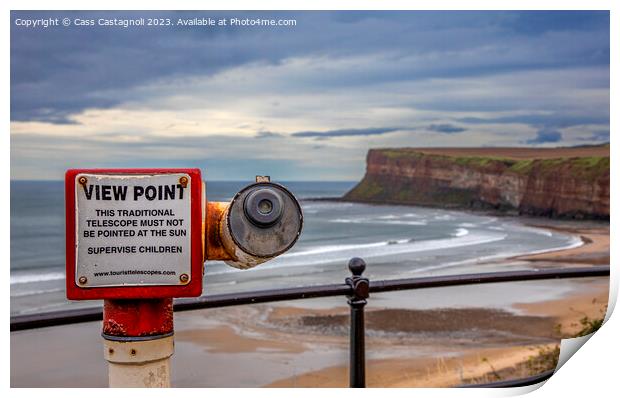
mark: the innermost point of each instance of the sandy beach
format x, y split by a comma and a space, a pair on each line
595, 250
285, 345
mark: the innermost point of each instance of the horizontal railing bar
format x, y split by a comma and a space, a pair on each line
526, 381
262, 296
488, 277
56, 318
64, 317
81, 315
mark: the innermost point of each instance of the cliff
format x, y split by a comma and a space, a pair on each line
555, 182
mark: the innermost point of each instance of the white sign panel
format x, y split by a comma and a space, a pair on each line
133, 229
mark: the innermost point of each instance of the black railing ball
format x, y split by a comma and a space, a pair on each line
357, 266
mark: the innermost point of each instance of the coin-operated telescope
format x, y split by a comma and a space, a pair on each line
137, 238
262, 221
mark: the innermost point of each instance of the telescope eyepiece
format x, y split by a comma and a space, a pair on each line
263, 207
262, 221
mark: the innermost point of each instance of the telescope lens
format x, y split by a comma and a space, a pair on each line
265, 206
263, 221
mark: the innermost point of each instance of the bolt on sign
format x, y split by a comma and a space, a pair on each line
134, 233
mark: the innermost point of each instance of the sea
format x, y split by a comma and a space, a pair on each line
395, 241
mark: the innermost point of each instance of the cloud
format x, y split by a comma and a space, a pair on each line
545, 136
346, 132
555, 119
222, 97
598, 136
446, 128
224, 157
57, 72
267, 134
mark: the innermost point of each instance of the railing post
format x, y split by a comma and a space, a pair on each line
357, 301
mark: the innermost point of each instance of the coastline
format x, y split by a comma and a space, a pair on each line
594, 251
288, 346
481, 364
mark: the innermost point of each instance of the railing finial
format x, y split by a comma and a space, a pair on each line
357, 266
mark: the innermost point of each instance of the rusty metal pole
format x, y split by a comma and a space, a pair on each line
138, 342
357, 301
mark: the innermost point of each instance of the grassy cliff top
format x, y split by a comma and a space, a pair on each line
502, 153
585, 162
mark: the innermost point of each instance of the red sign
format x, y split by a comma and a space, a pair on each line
134, 233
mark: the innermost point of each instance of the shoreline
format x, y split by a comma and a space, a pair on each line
287, 346
484, 364
594, 250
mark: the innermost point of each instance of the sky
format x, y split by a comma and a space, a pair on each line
303, 101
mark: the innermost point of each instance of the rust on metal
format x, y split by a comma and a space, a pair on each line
83, 180
183, 181
137, 317
113, 328
184, 278
213, 243
82, 280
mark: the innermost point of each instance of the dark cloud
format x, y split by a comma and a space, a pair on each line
598, 136
545, 136
446, 128
58, 71
346, 132
557, 120
267, 134
537, 22
339, 68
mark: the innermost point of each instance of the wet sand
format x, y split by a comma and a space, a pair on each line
288, 346
484, 341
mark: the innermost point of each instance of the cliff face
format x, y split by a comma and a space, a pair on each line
563, 187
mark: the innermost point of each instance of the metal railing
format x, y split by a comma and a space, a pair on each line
356, 288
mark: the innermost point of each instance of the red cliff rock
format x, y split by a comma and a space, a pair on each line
556, 182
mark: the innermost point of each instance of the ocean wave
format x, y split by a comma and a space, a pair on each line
574, 242
342, 253
379, 220
404, 222
335, 248
413, 215
35, 292
324, 205
451, 264
538, 231
460, 232
214, 284
32, 278
306, 212
443, 217
46, 307
348, 220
